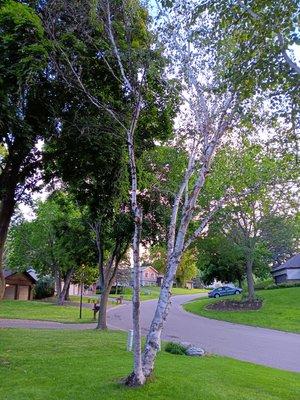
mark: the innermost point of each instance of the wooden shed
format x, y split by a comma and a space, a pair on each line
19, 285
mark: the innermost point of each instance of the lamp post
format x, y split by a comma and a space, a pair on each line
80, 306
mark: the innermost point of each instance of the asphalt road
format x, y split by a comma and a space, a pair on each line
257, 345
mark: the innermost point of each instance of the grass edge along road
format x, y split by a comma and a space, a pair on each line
44, 311
280, 310
82, 365
49, 311
152, 292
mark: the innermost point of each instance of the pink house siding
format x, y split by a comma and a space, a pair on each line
149, 276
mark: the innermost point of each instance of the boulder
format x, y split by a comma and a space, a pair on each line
195, 351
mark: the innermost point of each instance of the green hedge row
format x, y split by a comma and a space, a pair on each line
268, 286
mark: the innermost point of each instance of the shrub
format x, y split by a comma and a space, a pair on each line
264, 284
283, 285
44, 288
175, 348
269, 285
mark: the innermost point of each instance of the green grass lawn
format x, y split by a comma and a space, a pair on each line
68, 365
280, 310
39, 310
85, 299
152, 292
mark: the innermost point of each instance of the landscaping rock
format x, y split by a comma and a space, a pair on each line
235, 305
195, 351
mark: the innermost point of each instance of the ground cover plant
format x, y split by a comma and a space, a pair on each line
280, 310
63, 360
44, 311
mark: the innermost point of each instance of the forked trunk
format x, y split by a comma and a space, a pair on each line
107, 278
67, 281
67, 294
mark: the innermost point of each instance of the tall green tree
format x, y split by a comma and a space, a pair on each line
56, 243
219, 258
24, 107
187, 269
280, 231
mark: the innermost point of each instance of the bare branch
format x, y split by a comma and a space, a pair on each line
116, 50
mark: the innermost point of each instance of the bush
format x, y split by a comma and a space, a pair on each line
44, 288
283, 285
269, 285
264, 284
175, 348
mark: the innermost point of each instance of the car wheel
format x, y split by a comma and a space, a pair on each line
216, 295
237, 292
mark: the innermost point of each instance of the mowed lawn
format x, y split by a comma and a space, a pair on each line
38, 310
68, 365
152, 292
280, 310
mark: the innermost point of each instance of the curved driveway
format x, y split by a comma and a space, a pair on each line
258, 345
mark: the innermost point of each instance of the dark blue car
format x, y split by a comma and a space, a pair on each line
224, 291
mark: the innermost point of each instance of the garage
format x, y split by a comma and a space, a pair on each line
19, 285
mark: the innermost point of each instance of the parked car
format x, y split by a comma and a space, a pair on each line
224, 291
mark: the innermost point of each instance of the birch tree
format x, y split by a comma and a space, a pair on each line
126, 49
210, 114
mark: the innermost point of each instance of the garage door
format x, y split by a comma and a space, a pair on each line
10, 292
23, 292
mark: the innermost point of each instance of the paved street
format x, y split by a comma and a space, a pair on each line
258, 345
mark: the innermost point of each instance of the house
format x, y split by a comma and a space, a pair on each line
189, 285
288, 271
149, 276
19, 285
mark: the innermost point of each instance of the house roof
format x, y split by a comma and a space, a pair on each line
292, 263
149, 266
30, 274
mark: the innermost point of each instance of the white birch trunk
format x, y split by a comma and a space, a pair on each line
136, 378
161, 312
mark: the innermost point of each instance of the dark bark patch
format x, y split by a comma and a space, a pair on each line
131, 381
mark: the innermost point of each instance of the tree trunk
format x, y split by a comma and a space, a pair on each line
67, 294
161, 312
58, 284
102, 317
67, 280
2, 279
250, 281
6, 212
137, 377
240, 282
